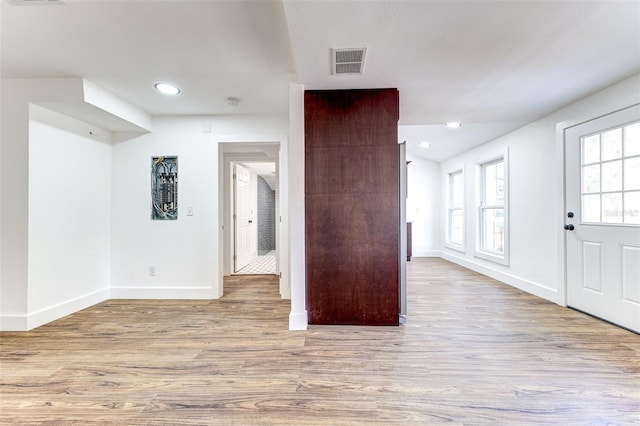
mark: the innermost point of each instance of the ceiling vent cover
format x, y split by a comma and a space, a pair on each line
349, 61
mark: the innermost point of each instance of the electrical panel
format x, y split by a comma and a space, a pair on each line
164, 188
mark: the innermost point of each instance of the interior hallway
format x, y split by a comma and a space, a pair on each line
474, 351
261, 264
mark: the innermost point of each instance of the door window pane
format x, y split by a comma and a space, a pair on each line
632, 174
591, 208
632, 140
612, 176
612, 144
591, 179
632, 207
612, 208
591, 149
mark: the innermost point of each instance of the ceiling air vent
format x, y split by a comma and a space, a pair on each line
349, 61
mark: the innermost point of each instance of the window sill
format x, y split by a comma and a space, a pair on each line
456, 247
492, 257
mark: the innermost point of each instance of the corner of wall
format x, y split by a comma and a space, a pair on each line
13, 323
298, 321
531, 287
53, 313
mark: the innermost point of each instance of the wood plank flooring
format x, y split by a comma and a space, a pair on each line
474, 351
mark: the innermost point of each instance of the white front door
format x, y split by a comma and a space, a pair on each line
242, 218
602, 217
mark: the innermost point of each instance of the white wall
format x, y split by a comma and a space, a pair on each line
15, 96
253, 226
294, 173
185, 252
28, 297
536, 194
69, 215
423, 206
14, 155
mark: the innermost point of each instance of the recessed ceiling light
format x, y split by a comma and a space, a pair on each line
167, 89
453, 124
424, 145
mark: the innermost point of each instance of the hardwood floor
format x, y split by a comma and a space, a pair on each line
474, 351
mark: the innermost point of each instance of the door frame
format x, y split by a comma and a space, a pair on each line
225, 171
581, 117
229, 244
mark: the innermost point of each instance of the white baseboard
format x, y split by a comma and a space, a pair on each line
63, 309
13, 323
163, 293
525, 285
298, 320
285, 293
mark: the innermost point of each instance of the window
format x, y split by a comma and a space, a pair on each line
493, 220
455, 210
610, 176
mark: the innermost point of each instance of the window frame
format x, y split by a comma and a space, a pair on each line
483, 208
450, 209
600, 163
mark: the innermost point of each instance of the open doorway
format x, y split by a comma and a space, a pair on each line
254, 213
266, 244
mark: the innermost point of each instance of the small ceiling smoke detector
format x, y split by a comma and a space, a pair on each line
349, 61
453, 124
233, 101
167, 89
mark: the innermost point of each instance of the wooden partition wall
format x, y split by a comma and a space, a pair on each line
352, 206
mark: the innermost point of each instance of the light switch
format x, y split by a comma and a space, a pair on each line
189, 210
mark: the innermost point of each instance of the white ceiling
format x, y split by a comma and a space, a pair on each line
494, 65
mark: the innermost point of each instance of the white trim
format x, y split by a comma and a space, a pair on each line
624, 100
447, 200
298, 320
500, 155
163, 293
285, 293
282, 225
530, 287
560, 201
295, 221
426, 253
455, 247
13, 323
52, 313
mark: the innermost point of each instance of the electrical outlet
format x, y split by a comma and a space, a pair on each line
152, 271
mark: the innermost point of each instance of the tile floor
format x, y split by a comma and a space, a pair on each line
265, 264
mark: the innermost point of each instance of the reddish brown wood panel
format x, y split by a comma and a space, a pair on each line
352, 210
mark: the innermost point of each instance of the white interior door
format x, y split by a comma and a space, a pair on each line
602, 223
242, 217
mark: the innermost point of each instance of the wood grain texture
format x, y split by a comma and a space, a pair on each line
352, 271
474, 351
350, 118
352, 208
